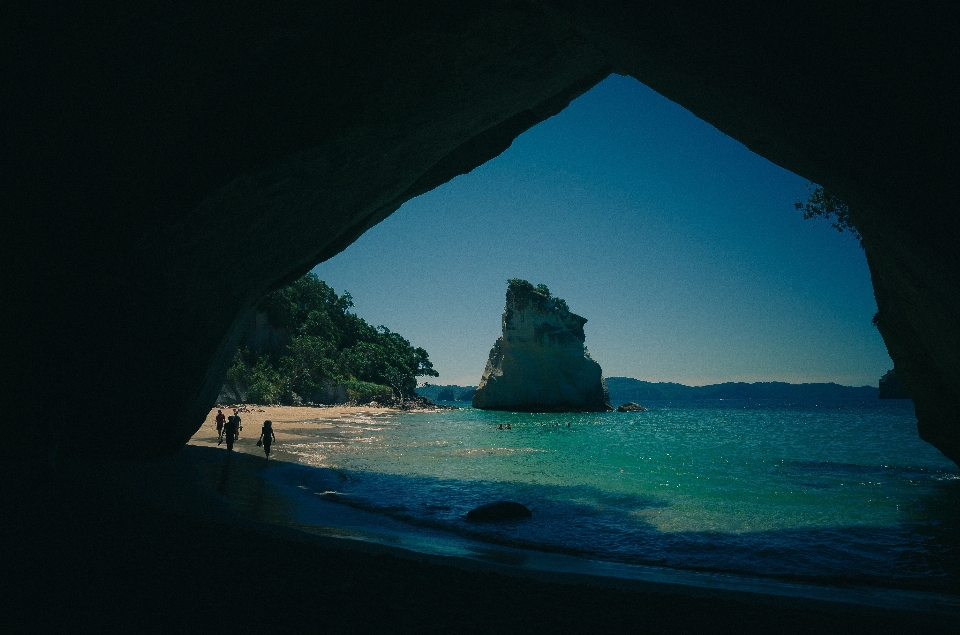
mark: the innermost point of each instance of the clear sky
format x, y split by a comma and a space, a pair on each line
680, 246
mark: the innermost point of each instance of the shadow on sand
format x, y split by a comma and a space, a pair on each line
153, 547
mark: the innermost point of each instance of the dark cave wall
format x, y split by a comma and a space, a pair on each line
184, 162
164, 168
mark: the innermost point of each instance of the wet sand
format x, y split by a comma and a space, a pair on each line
158, 547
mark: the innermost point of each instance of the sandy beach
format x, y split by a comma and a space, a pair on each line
157, 546
287, 422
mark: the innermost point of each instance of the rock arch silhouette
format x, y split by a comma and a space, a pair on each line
166, 167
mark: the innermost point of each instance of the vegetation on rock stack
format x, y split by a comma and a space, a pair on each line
539, 295
323, 343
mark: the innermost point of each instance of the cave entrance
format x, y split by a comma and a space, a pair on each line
683, 250
679, 245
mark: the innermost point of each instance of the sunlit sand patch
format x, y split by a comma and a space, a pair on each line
302, 415
299, 430
295, 423
312, 424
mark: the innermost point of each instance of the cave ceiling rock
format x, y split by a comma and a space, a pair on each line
169, 165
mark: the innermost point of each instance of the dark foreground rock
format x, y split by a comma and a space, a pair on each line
630, 407
499, 511
891, 387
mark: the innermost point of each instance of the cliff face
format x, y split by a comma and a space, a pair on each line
540, 364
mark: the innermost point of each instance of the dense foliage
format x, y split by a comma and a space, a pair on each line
325, 341
824, 204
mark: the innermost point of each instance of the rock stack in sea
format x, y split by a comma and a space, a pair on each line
540, 363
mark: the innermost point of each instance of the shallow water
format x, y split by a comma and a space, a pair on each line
839, 492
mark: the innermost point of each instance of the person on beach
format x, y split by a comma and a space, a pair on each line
236, 414
220, 421
230, 430
267, 437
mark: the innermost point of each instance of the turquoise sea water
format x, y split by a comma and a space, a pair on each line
838, 492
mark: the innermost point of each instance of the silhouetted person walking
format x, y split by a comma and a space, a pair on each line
220, 421
267, 437
230, 430
236, 413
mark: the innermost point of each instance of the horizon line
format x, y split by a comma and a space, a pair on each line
695, 385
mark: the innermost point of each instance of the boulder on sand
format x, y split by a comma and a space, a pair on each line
499, 511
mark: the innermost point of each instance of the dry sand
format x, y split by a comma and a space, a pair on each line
289, 423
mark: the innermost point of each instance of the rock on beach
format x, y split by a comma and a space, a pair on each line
499, 511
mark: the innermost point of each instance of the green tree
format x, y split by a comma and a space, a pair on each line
309, 361
267, 385
389, 359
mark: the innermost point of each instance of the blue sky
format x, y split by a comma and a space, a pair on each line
680, 246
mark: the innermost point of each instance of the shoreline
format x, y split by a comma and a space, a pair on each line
345, 523
288, 420
158, 546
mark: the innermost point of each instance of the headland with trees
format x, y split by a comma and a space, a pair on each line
303, 344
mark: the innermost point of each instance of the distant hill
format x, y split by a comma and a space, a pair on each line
628, 389
446, 393
623, 389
